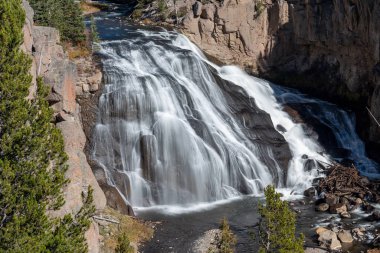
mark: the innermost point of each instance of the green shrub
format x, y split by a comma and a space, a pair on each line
137, 13
162, 6
259, 8
277, 226
94, 31
227, 238
123, 244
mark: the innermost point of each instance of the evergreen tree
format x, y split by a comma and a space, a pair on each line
227, 238
277, 226
123, 244
65, 15
32, 158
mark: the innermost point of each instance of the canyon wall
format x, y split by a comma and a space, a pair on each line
50, 61
329, 48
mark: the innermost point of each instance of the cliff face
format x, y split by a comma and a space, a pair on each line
50, 61
329, 48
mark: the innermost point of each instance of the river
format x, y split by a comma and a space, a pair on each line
187, 142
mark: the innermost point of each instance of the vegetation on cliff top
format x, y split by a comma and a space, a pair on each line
65, 15
32, 158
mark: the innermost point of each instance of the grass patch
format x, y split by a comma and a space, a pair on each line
131, 228
78, 52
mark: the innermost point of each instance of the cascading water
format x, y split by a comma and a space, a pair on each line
335, 129
175, 129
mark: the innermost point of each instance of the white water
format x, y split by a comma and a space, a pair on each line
167, 136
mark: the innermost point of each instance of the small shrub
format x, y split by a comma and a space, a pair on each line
162, 6
78, 52
225, 240
123, 244
259, 8
182, 12
94, 31
137, 13
277, 226
228, 240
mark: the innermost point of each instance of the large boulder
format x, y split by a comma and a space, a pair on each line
338, 208
328, 239
345, 236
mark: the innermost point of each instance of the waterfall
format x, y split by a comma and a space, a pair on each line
335, 127
176, 129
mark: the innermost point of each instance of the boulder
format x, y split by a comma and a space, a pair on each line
358, 201
345, 215
373, 251
335, 244
338, 208
345, 201
208, 12
358, 232
329, 239
367, 208
320, 230
323, 207
197, 9
315, 250
311, 192
331, 199
345, 236
375, 216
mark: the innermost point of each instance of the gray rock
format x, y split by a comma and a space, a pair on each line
345, 215
323, 207
311, 192
331, 199
375, 216
197, 9
329, 239
345, 236
315, 250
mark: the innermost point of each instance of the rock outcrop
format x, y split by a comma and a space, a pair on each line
50, 61
328, 48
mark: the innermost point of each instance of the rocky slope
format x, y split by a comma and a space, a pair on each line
50, 61
329, 48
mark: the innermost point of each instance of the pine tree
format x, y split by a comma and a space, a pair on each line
32, 158
227, 238
65, 15
277, 226
123, 244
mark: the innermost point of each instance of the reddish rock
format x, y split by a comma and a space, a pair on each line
79, 171
93, 238
338, 208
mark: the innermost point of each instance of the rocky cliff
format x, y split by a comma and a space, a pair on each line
50, 61
329, 48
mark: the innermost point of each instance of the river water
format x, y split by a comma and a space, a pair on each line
187, 142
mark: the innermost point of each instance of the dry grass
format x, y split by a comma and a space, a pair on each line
89, 8
137, 231
78, 52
